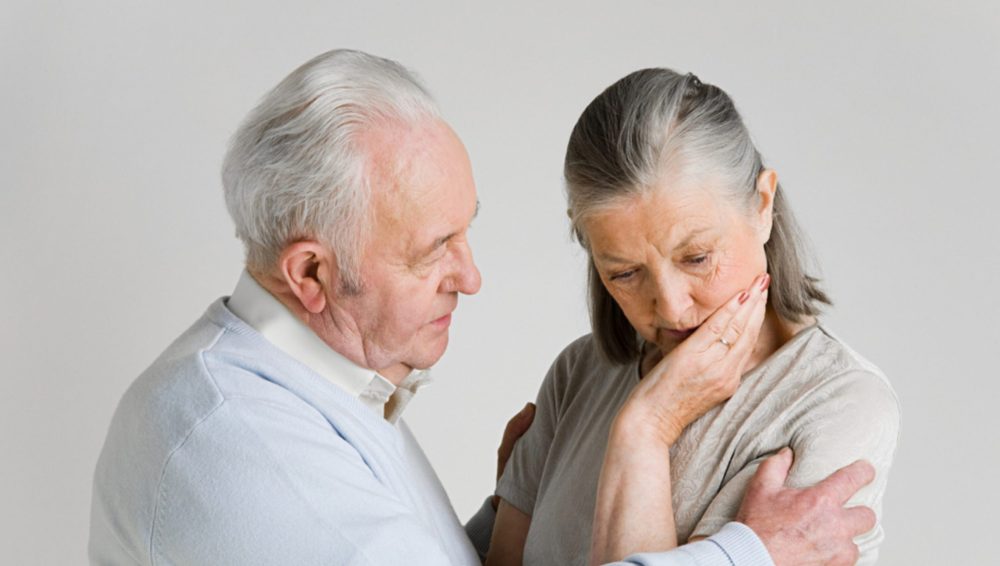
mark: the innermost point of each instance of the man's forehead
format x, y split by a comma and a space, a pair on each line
421, 183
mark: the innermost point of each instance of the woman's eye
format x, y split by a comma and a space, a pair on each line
623, 275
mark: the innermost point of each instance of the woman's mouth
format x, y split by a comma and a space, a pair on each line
678, 335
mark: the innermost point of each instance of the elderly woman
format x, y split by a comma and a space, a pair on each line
681, 221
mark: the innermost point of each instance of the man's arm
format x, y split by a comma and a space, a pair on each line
779, 524
480, 526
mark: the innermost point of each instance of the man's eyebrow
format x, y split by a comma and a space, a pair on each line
441, 241
444, 239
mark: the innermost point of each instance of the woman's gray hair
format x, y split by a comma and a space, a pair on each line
654, 123
295, 169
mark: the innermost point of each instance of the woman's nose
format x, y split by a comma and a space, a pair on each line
671, 300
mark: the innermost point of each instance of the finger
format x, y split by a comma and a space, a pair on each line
772, 472
741, 333
859, 520
516, 427
522, 421
744, 348
845, 482
710, 331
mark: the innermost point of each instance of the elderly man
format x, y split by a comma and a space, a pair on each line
270, 431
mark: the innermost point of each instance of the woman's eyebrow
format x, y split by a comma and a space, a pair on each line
691, 236
609, 258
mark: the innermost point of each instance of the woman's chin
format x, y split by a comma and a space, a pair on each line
668, 339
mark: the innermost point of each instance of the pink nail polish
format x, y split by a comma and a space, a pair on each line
765, 283
743, 297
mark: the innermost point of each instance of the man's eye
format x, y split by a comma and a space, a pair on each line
438, 253
697, 260
623, 275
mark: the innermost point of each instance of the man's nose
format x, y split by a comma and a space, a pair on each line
466, 278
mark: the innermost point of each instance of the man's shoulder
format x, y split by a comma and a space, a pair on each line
201, 408
213, 363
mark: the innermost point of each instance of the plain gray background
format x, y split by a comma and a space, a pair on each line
880, 117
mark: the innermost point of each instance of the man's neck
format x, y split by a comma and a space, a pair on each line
334, 326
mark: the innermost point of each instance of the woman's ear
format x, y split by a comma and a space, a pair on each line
767, 188
310, 270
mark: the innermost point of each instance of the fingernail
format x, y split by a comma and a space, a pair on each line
765, 283
743, 297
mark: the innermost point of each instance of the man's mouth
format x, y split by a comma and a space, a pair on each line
443, 321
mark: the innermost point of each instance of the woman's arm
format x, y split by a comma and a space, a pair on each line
509, 534
634, 512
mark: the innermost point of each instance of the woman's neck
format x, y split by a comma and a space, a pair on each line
775, 332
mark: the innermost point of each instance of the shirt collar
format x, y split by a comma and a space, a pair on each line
265, 314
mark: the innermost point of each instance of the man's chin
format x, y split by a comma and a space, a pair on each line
431, 353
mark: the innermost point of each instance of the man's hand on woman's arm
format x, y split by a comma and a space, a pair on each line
807, 526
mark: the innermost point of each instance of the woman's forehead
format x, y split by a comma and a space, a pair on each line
668, 219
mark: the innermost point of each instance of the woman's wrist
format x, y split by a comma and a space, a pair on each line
637, 427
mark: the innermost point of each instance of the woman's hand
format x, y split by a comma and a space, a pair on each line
701, 372
633, 512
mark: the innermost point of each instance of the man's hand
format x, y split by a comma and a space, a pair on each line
807, 526
516, 427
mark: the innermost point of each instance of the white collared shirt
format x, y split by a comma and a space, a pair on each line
267, 315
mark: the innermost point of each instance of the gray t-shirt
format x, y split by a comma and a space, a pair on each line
814, 394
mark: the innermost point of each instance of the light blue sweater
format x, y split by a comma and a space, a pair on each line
228, 451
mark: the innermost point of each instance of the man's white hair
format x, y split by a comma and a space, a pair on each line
295, 169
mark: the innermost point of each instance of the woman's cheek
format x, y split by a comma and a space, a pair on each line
725, 280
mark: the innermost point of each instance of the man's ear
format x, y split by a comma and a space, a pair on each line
767, 188
309, 269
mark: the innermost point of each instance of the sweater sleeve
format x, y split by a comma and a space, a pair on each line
479, 528
734, 545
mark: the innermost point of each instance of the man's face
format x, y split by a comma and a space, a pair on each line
417, 258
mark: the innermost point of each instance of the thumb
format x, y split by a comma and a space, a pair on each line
773, 472
527, 413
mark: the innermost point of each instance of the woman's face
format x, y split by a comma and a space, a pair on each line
673, 256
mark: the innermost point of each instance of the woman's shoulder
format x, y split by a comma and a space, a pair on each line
584, 346
578, 362
582, 353
826, 365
